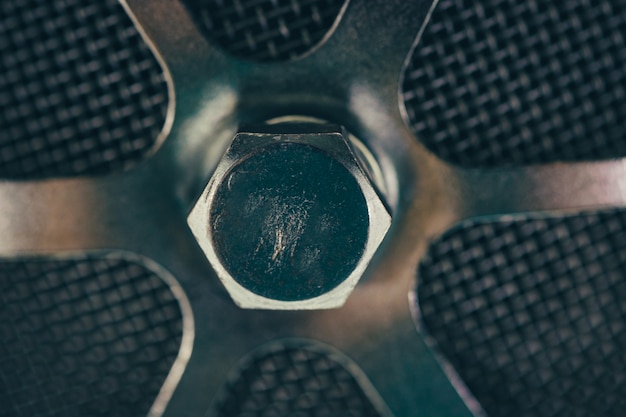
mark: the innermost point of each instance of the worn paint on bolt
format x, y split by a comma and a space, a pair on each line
289, 222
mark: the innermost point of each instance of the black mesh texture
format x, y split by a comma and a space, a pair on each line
532, 314
84, 338
266, 30
80, 92
294, 382
497, 82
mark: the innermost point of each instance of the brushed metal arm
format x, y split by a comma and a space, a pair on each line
69, 215
559, 187
58, 215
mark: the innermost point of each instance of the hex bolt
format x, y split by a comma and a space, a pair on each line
290, 219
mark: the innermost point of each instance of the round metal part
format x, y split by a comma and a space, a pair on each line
289, 222
290, 218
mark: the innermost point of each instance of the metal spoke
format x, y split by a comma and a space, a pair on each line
202, 91
351, 79
55, 215
374, 39
571, 187
169, 30
365, 52
80, 214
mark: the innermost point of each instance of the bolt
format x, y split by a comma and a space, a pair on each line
290, 219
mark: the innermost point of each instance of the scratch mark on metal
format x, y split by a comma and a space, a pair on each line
285, 225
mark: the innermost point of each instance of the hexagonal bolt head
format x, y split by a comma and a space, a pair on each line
289, 220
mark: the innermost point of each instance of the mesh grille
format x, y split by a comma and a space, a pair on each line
532, 314
294, 382
91, 337
80, 92
496, 82
266, 30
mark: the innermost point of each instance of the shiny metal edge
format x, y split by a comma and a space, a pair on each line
327, 35
169, 81
455, 379
407, 61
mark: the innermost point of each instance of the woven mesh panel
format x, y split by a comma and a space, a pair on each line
294, 382
90, 337
266, 30
80, 92
532, 314
496, 82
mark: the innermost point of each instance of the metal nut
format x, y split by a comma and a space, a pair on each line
289, 219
